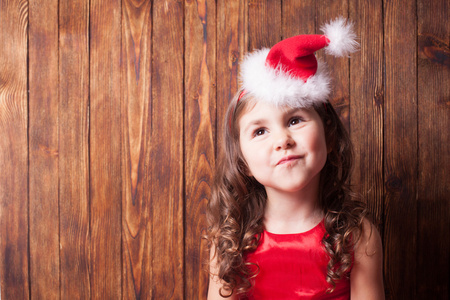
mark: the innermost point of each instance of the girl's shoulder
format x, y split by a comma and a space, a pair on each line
369, 239
367, 273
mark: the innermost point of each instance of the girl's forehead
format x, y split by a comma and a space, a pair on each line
253, 107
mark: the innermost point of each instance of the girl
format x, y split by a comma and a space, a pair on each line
283, 222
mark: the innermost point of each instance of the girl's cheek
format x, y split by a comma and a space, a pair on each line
315, 140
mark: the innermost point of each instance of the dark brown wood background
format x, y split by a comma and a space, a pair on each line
109, 121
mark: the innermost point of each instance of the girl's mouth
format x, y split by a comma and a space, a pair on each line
289, 158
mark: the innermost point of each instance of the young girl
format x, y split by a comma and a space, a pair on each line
283, 222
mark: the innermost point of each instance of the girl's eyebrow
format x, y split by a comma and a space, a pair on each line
256, 122
293, 110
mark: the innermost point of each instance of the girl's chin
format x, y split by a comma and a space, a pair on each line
288, 189
298, 186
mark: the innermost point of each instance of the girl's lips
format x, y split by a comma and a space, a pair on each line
288, 159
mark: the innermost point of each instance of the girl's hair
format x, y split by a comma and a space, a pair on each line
236, 209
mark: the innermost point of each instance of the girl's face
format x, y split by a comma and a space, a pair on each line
285, 148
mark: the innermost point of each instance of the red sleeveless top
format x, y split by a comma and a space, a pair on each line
293, 266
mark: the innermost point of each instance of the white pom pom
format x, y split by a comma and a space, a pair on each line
342, 37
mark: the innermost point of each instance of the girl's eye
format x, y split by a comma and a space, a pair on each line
259, 132
295, 121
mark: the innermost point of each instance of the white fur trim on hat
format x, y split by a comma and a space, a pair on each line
278, 87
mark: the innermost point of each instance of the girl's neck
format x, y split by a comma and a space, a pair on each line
293, 212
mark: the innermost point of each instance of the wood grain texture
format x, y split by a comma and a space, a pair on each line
295, 23
105, 150
14, 260
43, 147
200, 114
433, 122
73, 128
136, 96
232, 45
339, 67
106, 163
167, 151
264, 23
400, 149
366, 104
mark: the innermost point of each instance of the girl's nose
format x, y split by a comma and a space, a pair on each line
283, 141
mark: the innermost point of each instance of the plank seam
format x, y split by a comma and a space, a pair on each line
28, 148
417, 149
121, 140
383, 162
59, 152
150, 209
88, 129
183, 150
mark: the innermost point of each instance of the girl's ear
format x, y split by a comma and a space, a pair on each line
244, 168
247, 171
329, 149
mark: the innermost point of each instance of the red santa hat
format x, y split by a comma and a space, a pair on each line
289, 73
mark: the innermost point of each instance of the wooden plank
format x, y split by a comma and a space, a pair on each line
167, 151
338, 67
73, 126
105, 149
200, 111
366, 104
14, 262
298, 17
400, 149
264, 23
232, 45
43, 147
136, 93
434, 158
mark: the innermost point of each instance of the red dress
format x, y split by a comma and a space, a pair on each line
293, 266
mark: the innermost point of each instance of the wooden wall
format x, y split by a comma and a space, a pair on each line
109, 120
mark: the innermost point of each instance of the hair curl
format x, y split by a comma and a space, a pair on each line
236, 209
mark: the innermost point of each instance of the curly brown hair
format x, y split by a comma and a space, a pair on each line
236, 209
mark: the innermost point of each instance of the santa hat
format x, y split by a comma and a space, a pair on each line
289, 73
